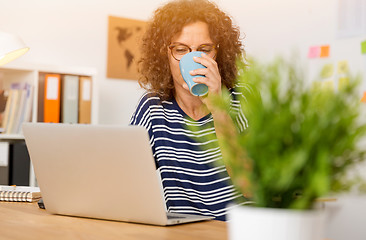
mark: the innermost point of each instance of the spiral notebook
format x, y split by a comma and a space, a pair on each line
19, 193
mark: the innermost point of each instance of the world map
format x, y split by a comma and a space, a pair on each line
124, 41
123, 35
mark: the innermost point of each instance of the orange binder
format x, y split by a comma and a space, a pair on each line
52, 98
40, 111
85, 92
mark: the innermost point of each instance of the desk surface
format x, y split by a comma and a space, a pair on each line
26, 221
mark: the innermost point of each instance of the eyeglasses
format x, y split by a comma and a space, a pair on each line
179, 50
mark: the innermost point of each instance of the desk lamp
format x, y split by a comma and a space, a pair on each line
11, 47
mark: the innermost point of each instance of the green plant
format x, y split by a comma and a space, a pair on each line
301, 140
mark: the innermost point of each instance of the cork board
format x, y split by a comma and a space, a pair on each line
124, 39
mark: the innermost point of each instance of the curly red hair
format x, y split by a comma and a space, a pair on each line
169, 20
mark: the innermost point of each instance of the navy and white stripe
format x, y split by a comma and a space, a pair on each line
194, 179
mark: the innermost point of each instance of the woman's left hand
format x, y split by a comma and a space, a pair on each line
212, 75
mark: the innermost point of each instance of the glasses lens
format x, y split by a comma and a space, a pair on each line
179, 51
208, 49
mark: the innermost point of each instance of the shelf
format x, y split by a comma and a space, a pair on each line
11, 137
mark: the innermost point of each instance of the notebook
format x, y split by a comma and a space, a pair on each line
103, 172
19, 193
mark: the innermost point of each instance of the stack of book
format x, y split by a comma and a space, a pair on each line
15, 107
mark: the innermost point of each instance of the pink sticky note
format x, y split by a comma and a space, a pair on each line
314, 52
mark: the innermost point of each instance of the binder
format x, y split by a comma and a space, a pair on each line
40, 111
19, 164
85, 91
70, 99
52, 98
4, 163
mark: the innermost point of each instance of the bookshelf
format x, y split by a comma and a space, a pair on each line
29, 73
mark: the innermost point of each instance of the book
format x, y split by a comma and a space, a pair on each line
26, 111
52, 98
15, 108
19, 193
85, 92
3, 101
70, 99
5, 119
10, 113
18, 108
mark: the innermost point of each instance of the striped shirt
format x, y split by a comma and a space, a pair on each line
188, 156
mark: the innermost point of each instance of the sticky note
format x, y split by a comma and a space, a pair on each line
324, 51
343, 82
363, 99
314, 52
343, 67
363, 47
327, 71
316, 85
328, 85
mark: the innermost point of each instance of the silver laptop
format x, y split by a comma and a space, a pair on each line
103, 172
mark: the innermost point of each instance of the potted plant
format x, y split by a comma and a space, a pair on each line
300, 144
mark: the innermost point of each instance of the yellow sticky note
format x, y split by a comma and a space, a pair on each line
327, 71
343, 82
316, 85
328, 85
363, 47
343, 67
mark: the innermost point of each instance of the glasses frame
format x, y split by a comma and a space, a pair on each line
171, 46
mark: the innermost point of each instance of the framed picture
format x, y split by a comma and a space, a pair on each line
124, 39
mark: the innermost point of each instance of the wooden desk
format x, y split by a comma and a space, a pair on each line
27, 221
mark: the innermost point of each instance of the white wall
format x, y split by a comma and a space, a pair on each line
288, 26
74, 33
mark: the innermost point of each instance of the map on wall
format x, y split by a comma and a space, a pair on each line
124, 38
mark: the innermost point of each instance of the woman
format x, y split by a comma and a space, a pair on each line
181, 125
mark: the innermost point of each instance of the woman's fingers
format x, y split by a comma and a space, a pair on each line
211, 74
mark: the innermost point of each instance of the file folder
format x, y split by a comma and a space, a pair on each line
85, 92
70, 99
52, 98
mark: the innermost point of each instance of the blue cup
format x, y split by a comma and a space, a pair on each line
187, 64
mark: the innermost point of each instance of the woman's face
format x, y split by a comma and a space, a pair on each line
192, 35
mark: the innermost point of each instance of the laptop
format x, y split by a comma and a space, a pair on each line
103, 172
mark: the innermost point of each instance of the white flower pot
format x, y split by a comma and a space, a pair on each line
251, 223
